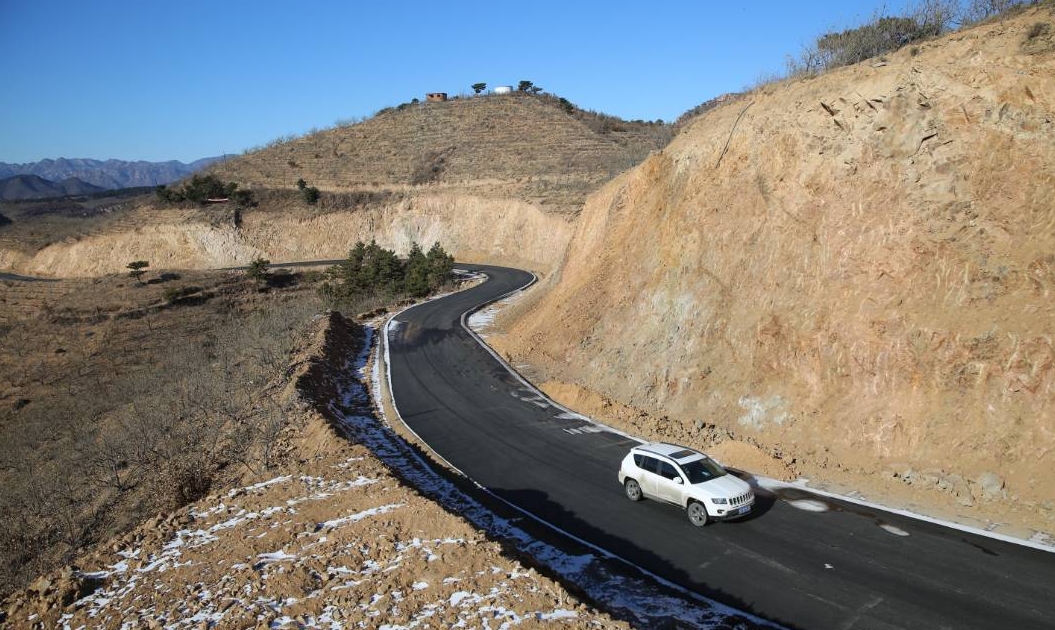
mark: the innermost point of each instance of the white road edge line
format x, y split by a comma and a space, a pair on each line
519, 377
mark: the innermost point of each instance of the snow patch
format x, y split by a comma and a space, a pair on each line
571, 415
275, 556
897, 531
358, 516
808, 505
259, 486
558, 614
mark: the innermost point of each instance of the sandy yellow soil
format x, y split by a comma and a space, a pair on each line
852, 272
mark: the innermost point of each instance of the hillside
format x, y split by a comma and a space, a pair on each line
108, 174
515, 146
324, 527
511, 173
21, 187
852, 274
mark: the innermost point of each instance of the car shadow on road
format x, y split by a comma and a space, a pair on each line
764, 499
627, 578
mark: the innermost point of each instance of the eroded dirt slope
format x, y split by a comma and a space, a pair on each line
473, 229
854, 272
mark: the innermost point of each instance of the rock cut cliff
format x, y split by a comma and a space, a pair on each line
855, 270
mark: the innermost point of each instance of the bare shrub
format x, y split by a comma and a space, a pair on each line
113, 458
976, 11
46, 519
934, 17
429, 167
885, 34
1038, 29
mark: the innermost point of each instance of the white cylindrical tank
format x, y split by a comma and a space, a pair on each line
503, 89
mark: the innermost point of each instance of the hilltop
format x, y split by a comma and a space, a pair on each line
850, 275
536, 149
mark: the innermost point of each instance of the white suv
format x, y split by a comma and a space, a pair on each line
686, 478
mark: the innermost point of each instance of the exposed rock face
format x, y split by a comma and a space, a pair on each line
857, 268
474, 229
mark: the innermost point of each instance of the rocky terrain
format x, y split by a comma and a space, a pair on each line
852, 273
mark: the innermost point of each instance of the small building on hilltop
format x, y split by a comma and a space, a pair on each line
503, 89
436, 96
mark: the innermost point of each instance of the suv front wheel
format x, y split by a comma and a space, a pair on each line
697, 513
633, 490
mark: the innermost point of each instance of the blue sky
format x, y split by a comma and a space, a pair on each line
158, 79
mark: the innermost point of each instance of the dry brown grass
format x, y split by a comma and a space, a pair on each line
119, 400
37, 224
516, 145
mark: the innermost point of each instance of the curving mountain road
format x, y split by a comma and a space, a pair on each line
831, 565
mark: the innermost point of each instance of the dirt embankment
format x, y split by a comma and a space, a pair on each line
854, 272
473, 229
330, 537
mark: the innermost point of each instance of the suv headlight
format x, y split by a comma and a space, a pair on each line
720, 501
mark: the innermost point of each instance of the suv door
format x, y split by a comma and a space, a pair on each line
649, 475
667, 486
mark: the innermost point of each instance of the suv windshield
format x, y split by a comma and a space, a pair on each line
702, 470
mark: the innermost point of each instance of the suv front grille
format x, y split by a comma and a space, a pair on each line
740, 500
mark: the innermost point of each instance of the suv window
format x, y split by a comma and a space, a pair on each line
702, 470
644, 462
667, 470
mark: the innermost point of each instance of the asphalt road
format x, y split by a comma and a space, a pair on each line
802, 560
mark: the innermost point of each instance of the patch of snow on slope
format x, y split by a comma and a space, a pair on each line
358, 516
235, 589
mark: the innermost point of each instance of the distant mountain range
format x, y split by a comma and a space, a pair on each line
107, 174
22, 187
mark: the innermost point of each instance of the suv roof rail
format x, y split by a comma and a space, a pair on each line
666, 449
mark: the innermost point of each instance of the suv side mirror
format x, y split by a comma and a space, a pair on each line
678, 481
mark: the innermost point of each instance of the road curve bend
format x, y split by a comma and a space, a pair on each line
802, 560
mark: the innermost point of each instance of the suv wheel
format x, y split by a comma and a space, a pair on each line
633, 490
697, 513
